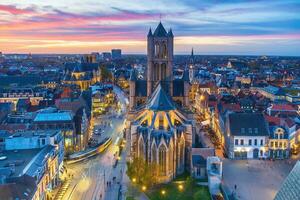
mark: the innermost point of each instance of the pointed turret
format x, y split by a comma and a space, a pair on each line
160, 31
170, 33
150, 33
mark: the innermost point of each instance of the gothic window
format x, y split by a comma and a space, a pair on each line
161, 122
162, 160
156, 50
181, 153
171, 164
153, 152
141, 148
164, 51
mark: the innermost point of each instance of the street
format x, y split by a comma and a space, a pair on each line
93, 178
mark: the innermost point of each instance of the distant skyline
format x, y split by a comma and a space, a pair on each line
239, 27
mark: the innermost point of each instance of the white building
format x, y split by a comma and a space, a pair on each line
246, 136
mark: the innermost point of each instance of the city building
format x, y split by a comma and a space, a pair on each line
13, 95
53, 119
246, 136
106, 56
83, 74
29, 173
116, 54
278, 143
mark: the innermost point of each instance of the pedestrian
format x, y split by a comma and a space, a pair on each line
235, 187
100, 196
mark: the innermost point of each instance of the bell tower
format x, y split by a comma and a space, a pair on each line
160, 59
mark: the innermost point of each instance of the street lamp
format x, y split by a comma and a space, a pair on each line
163, 192
134, 180
144, 188
180, 187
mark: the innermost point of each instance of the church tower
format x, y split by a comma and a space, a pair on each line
191, 66
160, 59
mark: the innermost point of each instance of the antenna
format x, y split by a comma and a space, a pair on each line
160, 17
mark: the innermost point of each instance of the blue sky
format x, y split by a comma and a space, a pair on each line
257, 27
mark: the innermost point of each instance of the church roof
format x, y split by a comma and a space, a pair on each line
160, 31
160, 101
290, 187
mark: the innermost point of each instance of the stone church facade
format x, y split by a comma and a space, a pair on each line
160, 130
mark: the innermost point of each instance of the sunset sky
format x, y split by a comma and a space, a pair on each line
257, 27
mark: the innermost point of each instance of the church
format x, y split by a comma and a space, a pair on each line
160, 126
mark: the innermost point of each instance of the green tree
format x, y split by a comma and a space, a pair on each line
144, 173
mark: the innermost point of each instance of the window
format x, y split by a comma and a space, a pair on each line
249, 130
43, 141
243, 130
272, 144
250, 142
242, 142
276, 144
162, 160
261, 142
255, 142
236, 142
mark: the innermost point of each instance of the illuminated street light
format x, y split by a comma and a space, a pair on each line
163, 192
144, 188
180, 187
134, 180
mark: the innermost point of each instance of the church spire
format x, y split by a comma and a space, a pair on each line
150, 32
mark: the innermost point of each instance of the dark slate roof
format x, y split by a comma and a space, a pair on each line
198, 160
20, 80
160, 31
248, 124
178, 88
160, 101
290, 189
141, 88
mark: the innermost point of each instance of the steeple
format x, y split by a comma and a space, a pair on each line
150, 33
160, 31
192, 54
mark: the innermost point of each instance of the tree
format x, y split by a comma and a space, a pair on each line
144, 173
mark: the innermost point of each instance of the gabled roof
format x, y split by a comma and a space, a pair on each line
248, 124
160, 31
160, 101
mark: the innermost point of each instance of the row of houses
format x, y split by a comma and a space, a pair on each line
250, 133
30, 164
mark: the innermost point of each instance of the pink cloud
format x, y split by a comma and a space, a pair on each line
14, 10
